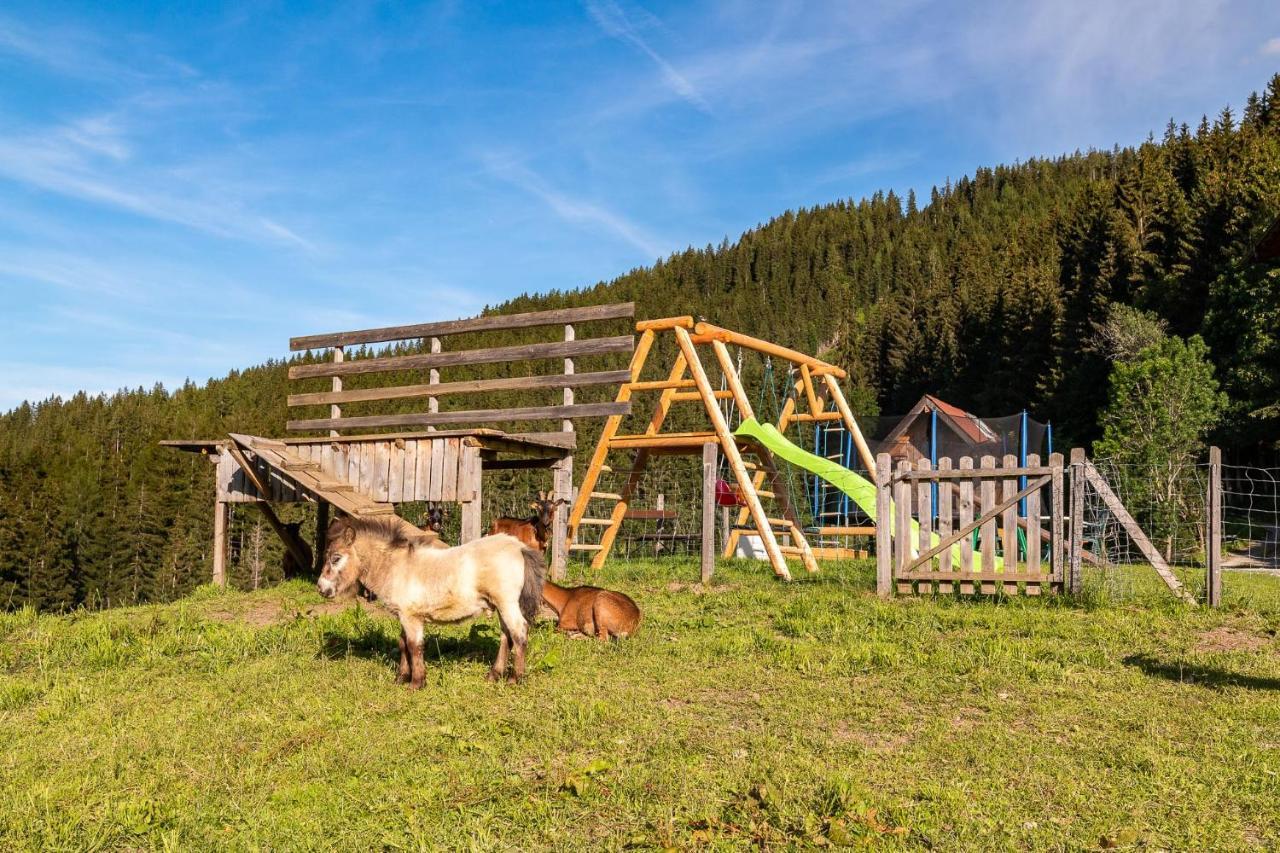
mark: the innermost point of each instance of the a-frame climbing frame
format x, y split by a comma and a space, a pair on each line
688, 381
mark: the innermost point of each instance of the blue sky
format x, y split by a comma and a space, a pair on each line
184, 186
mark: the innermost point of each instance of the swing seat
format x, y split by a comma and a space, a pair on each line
727, 495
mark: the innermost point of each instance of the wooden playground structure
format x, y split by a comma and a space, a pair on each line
687, 380
986, 526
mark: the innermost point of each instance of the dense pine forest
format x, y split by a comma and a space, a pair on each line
989, 293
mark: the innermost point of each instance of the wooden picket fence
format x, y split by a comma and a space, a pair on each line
990, 527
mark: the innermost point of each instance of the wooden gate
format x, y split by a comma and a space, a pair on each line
989, 528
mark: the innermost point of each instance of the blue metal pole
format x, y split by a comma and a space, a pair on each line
933, 459
1049, 436
1022, 460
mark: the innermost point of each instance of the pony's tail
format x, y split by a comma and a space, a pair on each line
535, 575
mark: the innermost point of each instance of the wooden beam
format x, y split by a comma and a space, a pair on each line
295, 546
1213, 506
1131, 527
706, 332
220, 543
663, 324
472, 386
640, 461
561, 490
850, 423
531, 413
710, 462
730, 448
489, 355
596, 464
520, 464
489, 323
335, 411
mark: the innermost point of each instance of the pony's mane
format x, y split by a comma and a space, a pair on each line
391, 531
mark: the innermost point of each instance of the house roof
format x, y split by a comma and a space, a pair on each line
967, 426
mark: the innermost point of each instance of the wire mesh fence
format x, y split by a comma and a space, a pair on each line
1251, 518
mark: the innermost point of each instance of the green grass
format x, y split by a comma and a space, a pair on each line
751, 713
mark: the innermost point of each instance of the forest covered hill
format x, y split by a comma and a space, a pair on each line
988, 293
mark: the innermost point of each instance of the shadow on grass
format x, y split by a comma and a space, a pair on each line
1205, 676
480, 644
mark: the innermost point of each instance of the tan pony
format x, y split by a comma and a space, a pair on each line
420, 582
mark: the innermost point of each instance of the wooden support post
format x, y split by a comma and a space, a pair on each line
220, 542
1076, 548
884, 526
561, 489
1213, 555
1056, 545
566, 425
335, 411
710, 462
470, 471
433, 378
322, 534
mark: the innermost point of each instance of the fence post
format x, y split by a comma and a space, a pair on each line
1213, 557
220, 542
710, 462
884, 526
1077, 519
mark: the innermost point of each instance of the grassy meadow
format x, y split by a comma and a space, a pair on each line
750, 713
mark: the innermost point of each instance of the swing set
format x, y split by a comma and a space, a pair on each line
748, 446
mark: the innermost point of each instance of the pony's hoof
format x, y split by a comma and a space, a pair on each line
513, 678
414, 685
493, 675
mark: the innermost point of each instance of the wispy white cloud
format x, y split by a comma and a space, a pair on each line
614, 22
90, 160
570, 208
1271, 47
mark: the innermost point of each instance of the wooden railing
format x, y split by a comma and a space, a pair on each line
433, 334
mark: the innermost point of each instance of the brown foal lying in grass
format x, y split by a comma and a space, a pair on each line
591, 611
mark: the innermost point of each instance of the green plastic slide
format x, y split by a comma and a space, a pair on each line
859, 489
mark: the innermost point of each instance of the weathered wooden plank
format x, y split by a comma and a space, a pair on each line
945, 490
473, 386
410, 469
1213, 506
488, 355
987, 499
965, 516
395, 472
884, 526
422, 472
902, 512
997, 471
489, 323
381, 461
710, 465
1056, 542
473, 416
437, 469
1077, 519
924, 510
1135, 532
1009, 486
1033, 527
449, 476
